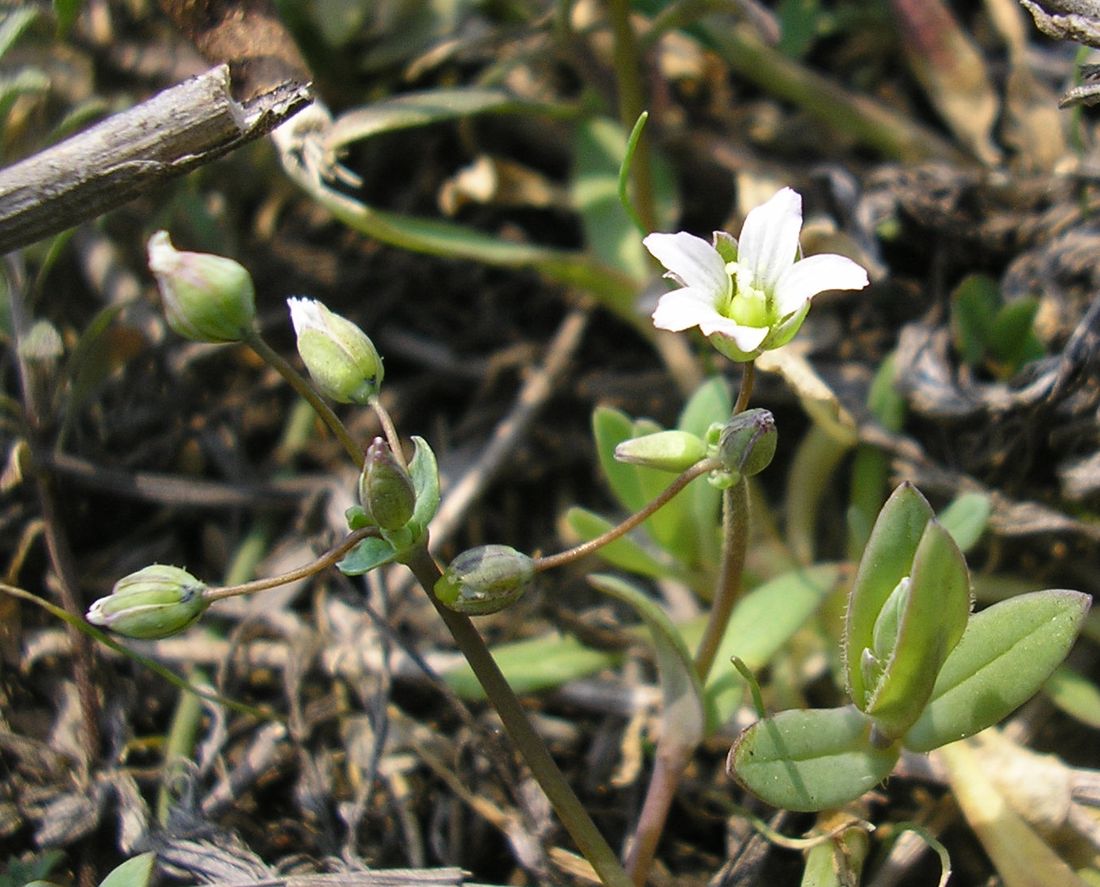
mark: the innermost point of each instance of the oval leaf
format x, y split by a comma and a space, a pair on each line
810, 760
887, 559
134, 872
934, 619
372, 552
966, 518
1004, 657
610, 427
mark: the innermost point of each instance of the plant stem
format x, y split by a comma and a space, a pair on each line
735, 533
668, 768
388, 429
298, 382
578, 551
748, 375
565, 803
325, 561
669, 765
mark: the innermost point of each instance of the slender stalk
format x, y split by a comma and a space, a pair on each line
748, 375
565, 803
325, 561
578, 551
735, 532
669, 766
35, 421
299, 383
389, 429
668, 769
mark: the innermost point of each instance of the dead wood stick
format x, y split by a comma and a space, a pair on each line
101, 168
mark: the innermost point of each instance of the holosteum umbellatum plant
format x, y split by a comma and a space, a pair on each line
920, 669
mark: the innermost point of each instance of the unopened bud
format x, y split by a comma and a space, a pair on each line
485, 580
746, 443
207, 298
341, 359
385, 488
155, 602
671, 450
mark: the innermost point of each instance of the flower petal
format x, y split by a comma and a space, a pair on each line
694, 261
813, 275
682, 309
769, 240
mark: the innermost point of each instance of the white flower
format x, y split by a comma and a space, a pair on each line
750, 296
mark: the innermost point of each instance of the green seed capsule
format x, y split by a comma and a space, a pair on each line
155, 602
385, 488
485, 580
747, 442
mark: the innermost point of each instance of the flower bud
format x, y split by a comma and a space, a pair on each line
746, 443
206, 298
671, 450
340, 358
485, 580
154, 602
385, 488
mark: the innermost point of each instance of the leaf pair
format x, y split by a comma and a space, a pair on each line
920, 670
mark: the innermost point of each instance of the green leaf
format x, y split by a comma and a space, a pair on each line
810, 760
884, 400
610, 427
1074, 694
624, 552
966, 519
1004, 657
887, 559
672, 526
709, 403
615, 289
134, 872
1012, 338
425, 477
683, 717
974, 306
415, 109
13, 22
372, 552
932, 621
66, 13
26, 81
598, 150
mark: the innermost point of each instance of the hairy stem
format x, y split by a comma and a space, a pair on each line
565, 803
578, 551
735, 532
328, 559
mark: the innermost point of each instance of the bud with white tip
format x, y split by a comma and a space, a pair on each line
341, 359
